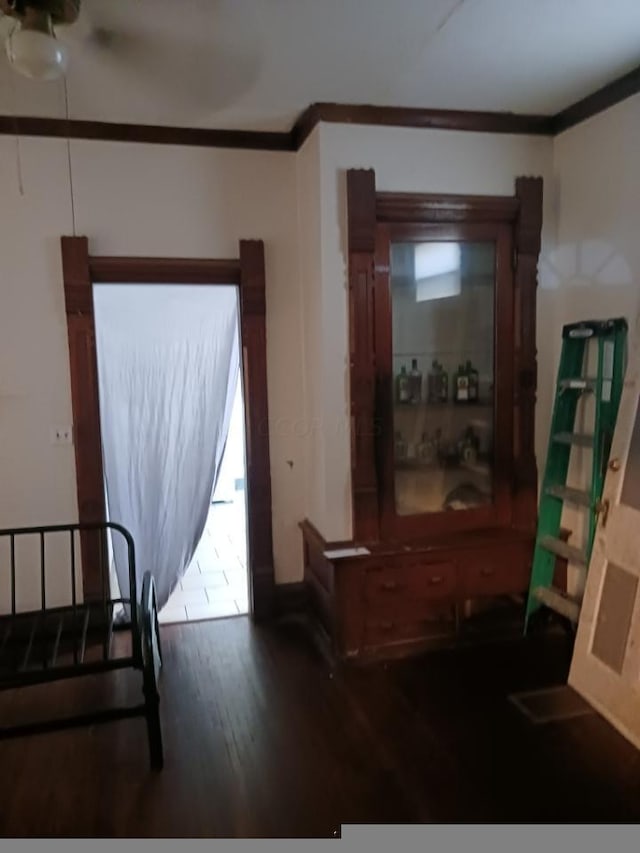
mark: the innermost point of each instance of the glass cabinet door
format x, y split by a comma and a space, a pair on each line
442, 300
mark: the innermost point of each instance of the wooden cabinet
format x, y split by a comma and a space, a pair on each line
442, 377
398, 599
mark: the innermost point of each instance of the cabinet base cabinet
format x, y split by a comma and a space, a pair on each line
398, 600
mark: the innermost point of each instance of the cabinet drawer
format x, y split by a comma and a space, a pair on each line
499, 573
405, 592
438, 621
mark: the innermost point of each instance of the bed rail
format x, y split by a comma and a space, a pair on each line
43, 612
45, 640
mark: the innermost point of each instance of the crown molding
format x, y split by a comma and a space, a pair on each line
467, 120
155, 134
462, 120
608, 96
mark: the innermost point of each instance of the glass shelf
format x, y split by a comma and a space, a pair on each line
482, 468
442, 301
469, 407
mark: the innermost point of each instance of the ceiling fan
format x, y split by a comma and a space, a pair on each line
32, 47
205, 69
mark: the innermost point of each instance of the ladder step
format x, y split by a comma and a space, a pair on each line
565, 493
558, 602
590, 328
562, 549
577, 378
578, 383
581, 439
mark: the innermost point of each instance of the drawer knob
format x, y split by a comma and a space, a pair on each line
435, 579
389, 584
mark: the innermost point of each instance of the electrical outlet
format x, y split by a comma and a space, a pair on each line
62, 435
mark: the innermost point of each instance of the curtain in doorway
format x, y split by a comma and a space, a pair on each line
168, 365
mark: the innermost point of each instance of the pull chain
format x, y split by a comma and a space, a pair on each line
66, 112
16, 128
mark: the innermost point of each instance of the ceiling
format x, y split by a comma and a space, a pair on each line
256, 64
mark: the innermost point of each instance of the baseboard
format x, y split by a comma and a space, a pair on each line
295, 607
290, 598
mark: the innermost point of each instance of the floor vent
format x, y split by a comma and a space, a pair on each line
550, 705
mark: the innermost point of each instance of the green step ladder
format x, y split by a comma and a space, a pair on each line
573, 386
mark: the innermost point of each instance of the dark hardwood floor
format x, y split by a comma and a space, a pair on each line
262, 738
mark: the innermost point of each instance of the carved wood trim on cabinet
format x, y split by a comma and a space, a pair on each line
80, 271
521, 216
528, 228
449, 209
361, 199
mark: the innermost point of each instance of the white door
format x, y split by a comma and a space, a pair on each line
605, 668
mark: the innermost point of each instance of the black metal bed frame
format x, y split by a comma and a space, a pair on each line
51, 643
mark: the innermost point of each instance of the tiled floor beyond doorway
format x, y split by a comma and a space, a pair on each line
215, 584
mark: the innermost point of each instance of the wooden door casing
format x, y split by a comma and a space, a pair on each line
80, 272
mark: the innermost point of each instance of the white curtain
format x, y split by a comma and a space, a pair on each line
168, 364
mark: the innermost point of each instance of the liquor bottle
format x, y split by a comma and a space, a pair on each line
415, 378
461, 385
469, 446
403, 387
444, 385
474, 378
434, 382
437, 384
400, 446
426, 450
437, 446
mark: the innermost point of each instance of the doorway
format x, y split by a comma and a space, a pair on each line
215, 583
81, 270
169, 380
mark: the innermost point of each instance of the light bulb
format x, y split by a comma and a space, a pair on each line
34, 51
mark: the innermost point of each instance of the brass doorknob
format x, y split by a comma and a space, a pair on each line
614, 464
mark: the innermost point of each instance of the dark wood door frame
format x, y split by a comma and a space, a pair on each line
80, 272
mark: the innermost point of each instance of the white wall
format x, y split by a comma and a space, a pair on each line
404, 159
594, 272
310, 278
139, 200
170, 200
596, 265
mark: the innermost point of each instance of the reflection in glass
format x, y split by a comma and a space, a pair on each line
442, 297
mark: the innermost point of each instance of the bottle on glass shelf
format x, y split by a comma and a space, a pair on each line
461, 385
433, 383
474, 381
403, 386
469, 445
437, 384
415, 379
400, 446
444, 385
438, 446
426, 450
